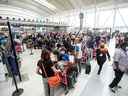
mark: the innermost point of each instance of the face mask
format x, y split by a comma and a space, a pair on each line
62, 52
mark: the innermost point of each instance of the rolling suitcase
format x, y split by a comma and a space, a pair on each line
88, 69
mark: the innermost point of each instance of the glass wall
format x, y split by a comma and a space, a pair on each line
100, 19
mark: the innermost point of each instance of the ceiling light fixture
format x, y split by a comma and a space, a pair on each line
47, 4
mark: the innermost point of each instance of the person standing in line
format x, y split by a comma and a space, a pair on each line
78, 53
120, 66
48, 65
84, 50
97, 40
101, 56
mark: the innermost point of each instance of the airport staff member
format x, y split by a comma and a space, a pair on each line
120, 66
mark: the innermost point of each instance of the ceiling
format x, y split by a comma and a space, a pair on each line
79, 4
60, 5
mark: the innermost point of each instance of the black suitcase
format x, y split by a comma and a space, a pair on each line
88, 69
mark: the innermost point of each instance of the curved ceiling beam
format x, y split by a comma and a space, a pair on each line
11, 10
16, 9
41, 7
29, 5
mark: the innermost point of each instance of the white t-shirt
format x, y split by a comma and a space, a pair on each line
71, 58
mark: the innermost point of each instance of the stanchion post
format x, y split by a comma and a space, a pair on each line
13, 48
18, 91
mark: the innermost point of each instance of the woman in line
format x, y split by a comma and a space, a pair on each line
46, 63
101, 56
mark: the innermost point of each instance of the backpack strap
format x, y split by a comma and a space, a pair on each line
43, 69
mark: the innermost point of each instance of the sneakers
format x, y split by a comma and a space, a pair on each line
114, 89
119, 87
98, 73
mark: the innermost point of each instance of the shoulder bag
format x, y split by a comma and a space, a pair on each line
53, 81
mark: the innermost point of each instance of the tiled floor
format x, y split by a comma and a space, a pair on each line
87, 85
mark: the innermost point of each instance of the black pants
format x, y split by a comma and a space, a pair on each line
118, 76
100, 63
79, 64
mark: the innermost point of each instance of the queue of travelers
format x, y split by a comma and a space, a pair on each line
67, 55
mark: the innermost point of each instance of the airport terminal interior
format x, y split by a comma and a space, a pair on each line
63, 48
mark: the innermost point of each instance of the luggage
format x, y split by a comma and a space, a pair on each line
71, 80
13, 65
18, 48
53, 81
88, 69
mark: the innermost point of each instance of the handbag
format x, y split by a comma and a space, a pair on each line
53, 81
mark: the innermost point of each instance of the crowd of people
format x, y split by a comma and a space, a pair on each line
67, 54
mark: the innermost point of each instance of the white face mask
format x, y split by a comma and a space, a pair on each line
62, 52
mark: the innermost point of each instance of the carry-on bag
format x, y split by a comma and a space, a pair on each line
88, 67
53, 81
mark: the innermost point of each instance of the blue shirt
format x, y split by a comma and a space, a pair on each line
65, 57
